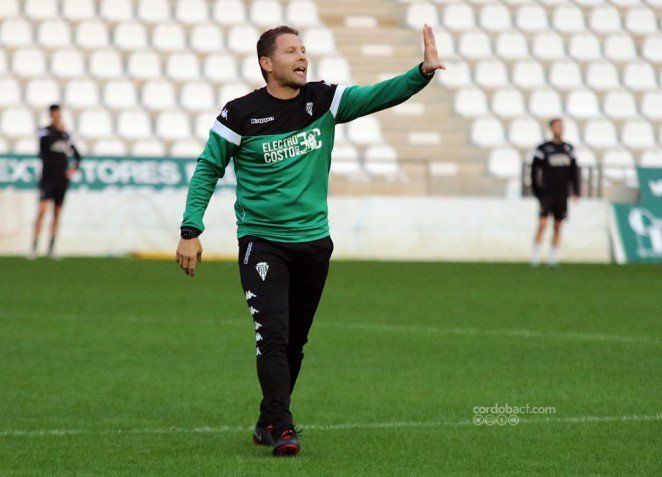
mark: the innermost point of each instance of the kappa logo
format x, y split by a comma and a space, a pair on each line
262, 268
250, 294
258, 337
262, 120
224, 113
257, 326
253, 310
258, 352
309, 108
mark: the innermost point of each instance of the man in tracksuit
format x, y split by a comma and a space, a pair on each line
281, 137
554, 172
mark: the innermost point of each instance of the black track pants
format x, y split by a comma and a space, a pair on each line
283, 284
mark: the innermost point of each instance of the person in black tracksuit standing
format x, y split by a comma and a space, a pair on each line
55, 148
554, 175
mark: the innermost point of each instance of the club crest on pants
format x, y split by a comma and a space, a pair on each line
262, 268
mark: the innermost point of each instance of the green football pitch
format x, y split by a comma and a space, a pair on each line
119, 366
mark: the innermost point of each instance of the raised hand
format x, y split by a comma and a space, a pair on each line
431, 61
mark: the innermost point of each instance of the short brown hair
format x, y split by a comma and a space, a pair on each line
267, 43
552, 121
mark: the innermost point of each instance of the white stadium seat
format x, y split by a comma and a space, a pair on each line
524, 132
67, 64
17, 121
365, 130
585, 156
334, 70
505, 162
206, 38
230, 91
133, 124
457, 74
144, 65
548, 46
94, 123
508, 103
302, 13
168, 37
221, 68
81, 93
203, 122
531, 18
620, 48
116, 10
148, 148
418, 14
28, 62
4, 148
495, 17
568, 19
54, 34
250, 70
528, 74
196, 96
120, 94
512, 45
445, 45
545, 103
109, 147
158, 95
474, 45
619, 105
470, 102
640, 21
15, 33
651, 105
652, 158
153, 11
230, 12
182, 66
78, 10
584, 47
565, 75
187, 148
318, 41
652, 48
242, 39
105, 64
637, 134
605, 19
191, 12
458, 17
617, 163
582, 104
266, 13
381, 160
3, 62
92, 35
11, 92
490, 74
171, 125
487, 131
639, 76
42, 92
130, 36
600, 134
345, 161
571, 131
9, 9
602, 76
26, 145
40, 9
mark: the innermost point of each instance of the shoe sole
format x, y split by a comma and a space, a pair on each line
259, 442
286, 450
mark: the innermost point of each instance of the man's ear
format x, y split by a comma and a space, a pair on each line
265, 63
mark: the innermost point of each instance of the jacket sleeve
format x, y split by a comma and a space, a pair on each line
356, 101
221, 146
536, 172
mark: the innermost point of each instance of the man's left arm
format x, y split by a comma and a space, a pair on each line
356, 101
575, 174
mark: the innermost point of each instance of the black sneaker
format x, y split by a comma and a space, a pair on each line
262, 436
287, 442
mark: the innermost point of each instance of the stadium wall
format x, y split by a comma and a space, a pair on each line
134, 220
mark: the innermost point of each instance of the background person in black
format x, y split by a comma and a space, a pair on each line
554, 171
55, 147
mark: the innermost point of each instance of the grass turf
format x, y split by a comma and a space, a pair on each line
133, 368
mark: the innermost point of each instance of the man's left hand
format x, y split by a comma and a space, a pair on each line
431, 62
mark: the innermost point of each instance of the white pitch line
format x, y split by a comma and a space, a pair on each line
329, 427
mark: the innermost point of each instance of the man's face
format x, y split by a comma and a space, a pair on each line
289, 63
557, 128
56, 117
